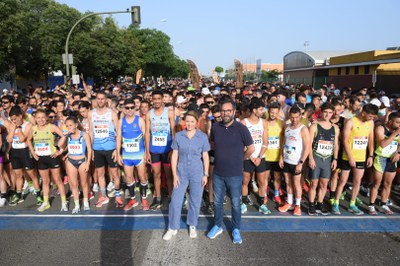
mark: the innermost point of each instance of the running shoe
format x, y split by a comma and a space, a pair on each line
335, 209
14, 200
131, 204
214, 232
237, 239
372, 210
157, 204
76, 210
102, 201
3, 202
25, 188
243, 208
286, 207
386, 210
312, 210
169, 234
254, 186
359, 201
192, 232
278, 200
320, 209
44, 206
64, 207
118, 202
331, 201
111, 193
145, 205
355, 210
95, 187
91, 195
389, 202
342, 195
264, 209
86, 206
297, 210
39, 200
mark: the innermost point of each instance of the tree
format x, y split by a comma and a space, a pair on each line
219, 70
271, 75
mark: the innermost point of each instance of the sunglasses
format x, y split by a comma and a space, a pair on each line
130, 108
52, 117
209, 102
5, 102
217, 117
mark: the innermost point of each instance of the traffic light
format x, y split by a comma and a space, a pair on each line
135, 12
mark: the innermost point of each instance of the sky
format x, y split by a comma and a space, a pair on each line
215, 32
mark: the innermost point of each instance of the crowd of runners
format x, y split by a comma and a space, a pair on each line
115, 141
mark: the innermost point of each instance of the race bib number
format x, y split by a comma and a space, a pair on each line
257, 141
273, 143
325, 148
390, 149
360, 143
75, 149
101, 131
160, 141
42, 149
131, 146
16, 144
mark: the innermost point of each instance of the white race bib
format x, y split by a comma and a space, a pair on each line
75, 148
160, 141
131, 145
42, 149
360, 143
101, 131
390, 149
273, 143
325, 148
17, 144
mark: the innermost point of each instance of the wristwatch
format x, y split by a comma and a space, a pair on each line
205, 174
301, 162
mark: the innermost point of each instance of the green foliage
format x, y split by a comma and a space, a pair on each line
270, 75
219, 69
100, 48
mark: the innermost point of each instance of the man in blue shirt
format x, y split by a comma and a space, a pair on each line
229, 138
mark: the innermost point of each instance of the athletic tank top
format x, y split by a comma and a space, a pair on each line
16, 143
358, 140
132, 140
43, 141
77, 147
273, 151
160, 132
256, 132
293, 145
103, 131
390, 149
323, 143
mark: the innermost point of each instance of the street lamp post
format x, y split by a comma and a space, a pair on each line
135, 11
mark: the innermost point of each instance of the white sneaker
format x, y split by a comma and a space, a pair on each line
76, 210
111, 193
3, 202
64, 207
110, 186
192, 232
168, 235
95, 187
86, 207
386, 210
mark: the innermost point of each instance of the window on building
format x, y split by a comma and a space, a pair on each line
356, 70
339, 71
366, 70
347, 70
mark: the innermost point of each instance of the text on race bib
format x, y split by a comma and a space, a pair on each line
17, 144
273, 143
131, 145
75, 148
101, 131
325, 148
159, 141
360, 143
390, 149
42, 149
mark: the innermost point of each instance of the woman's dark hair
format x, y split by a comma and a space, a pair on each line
16, 110
75, 121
